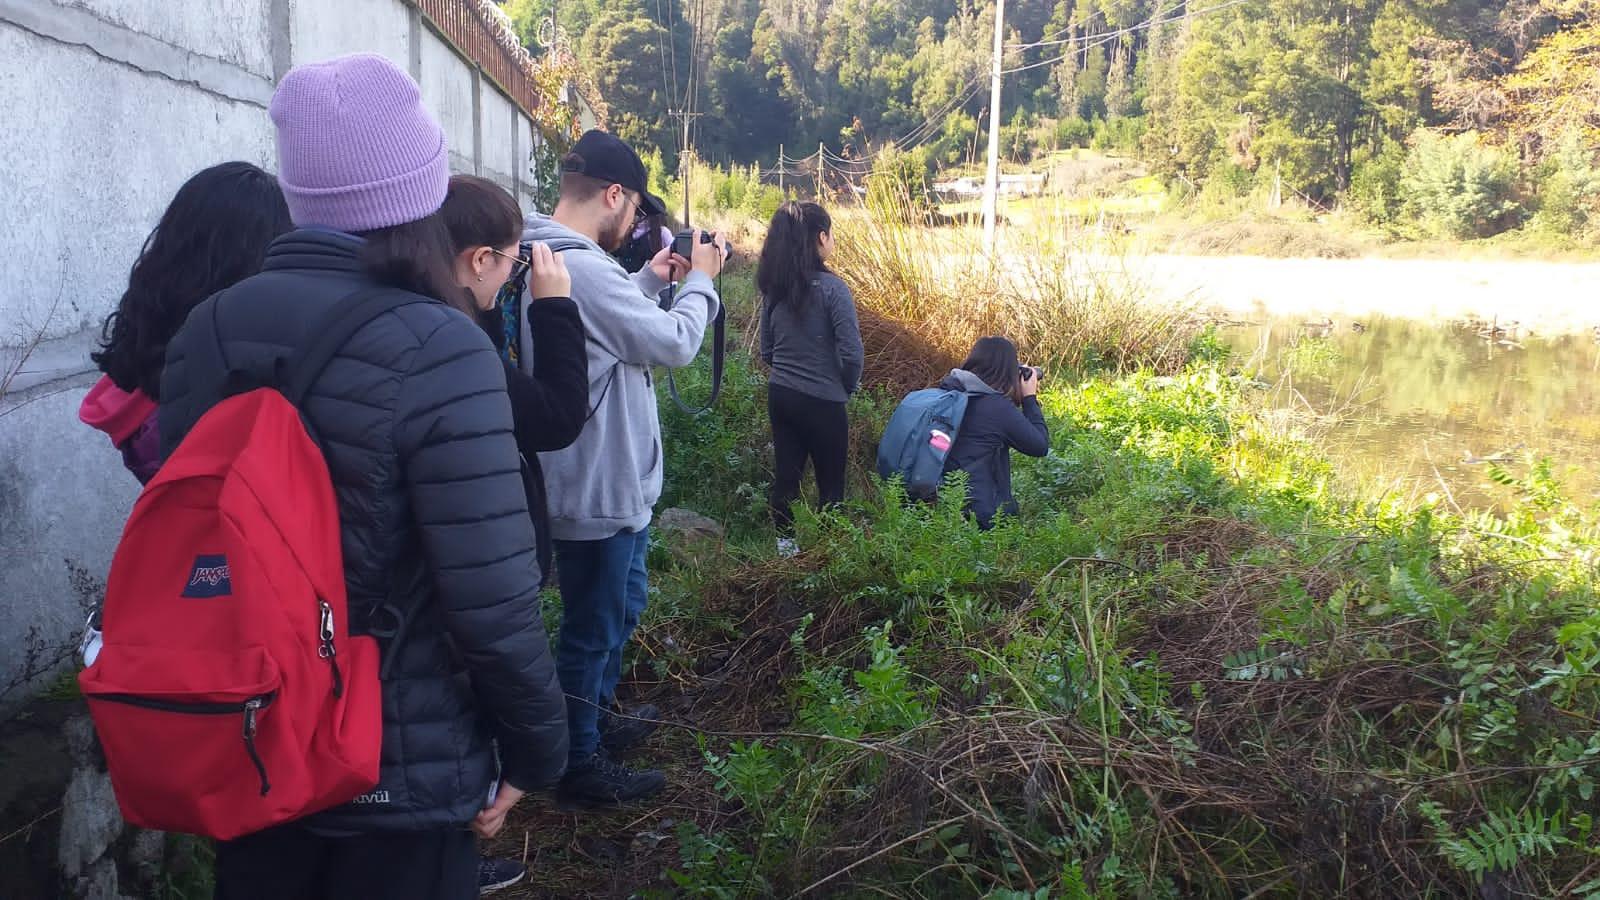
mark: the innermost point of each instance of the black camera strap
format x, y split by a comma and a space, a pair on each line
719, 350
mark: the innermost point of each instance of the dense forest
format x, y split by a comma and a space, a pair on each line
1466, 117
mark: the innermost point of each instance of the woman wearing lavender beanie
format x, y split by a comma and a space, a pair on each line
438, 546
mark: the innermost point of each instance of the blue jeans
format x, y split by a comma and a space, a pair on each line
604, 589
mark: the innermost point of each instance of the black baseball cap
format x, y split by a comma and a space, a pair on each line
606, 157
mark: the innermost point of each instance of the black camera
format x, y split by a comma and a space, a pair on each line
683, 243
1025, 372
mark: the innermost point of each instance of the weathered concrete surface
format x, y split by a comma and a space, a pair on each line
322, 29
523, 131
497, 120
63, 498
447, 90
229, 31
116, 103
102, 153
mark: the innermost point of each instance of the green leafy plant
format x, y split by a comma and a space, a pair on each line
1457, 186
1503, 840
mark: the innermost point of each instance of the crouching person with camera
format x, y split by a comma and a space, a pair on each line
1003, 414
603, 487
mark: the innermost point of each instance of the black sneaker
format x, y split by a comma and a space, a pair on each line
621, 729
494, 874
603, 781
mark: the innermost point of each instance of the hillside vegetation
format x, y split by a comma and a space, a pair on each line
1438, 120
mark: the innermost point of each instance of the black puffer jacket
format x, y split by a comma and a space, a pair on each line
414, 419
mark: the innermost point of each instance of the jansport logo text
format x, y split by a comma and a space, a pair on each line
210, 577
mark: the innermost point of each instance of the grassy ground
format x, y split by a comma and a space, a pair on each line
1194, 667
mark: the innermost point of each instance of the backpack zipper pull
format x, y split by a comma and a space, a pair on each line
251, 707
325, 648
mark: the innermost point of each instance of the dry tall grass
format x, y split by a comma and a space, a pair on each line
926, 293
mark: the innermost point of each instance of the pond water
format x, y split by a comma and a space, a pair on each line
1426, 407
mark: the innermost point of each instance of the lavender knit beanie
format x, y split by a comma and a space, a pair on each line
356, 149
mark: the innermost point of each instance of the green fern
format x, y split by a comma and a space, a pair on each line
1499, 843
1261, 664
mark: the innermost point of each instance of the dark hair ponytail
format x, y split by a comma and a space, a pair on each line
790, 257
213, 235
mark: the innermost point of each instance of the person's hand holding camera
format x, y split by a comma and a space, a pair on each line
708, 257
547, 274
669, 266
1029, 385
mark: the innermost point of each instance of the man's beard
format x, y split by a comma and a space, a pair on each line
616, 236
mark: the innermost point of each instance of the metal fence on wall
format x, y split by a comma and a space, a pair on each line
463, 26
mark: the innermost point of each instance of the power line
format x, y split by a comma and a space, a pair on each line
930, 126
839, 161
1089, 42
1045, 39
663, 37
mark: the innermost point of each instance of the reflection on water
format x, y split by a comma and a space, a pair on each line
1413, 398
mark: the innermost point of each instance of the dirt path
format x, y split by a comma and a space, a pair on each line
1545, 298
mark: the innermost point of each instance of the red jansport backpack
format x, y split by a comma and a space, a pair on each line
229, 695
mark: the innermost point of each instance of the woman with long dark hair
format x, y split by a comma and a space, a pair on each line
811, 340
1003, 414
214, 234
548, 392
549, 387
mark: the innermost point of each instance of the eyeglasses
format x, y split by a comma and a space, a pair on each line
518, 264
639, 214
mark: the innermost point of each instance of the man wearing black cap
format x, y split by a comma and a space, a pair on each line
603, 487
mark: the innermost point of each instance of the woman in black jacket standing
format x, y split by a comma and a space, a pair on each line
547, 402
549, 393
438, 548
1003, 414
811, 339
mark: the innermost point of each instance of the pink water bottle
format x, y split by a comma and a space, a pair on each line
939, 441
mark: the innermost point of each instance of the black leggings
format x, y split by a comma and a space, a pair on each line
804, 426
291, 863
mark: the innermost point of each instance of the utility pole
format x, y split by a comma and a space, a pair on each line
991, 182
683, 156
821, 175
781, 164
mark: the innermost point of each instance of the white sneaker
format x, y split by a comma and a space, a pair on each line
787, 548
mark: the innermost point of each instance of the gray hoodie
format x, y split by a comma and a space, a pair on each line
609, 479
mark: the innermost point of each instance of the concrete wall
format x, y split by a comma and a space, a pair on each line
122, 100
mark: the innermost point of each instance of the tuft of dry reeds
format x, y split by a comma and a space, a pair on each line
1070, 302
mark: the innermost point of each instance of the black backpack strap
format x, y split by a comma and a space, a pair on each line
562, 245
390, 619
212, 358
349, 315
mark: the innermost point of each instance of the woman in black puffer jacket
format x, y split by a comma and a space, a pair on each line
437, 542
